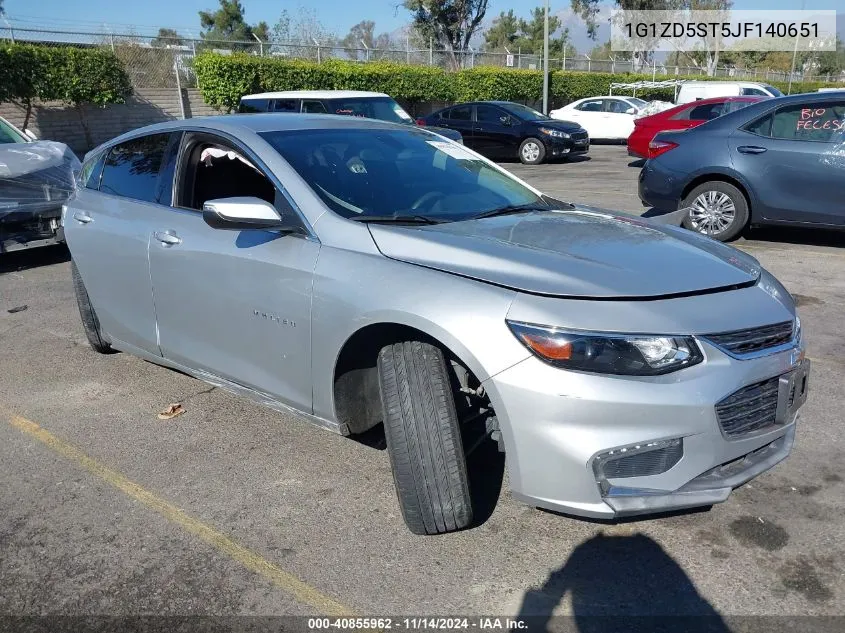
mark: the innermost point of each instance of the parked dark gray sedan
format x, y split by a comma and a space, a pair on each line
780, 161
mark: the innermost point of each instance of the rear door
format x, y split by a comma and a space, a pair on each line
108, 226
460, 118
235, 304
794, 159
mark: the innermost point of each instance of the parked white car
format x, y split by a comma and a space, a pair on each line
608, 118
695, 90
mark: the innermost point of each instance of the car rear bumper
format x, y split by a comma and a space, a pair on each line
560, 425
658, 187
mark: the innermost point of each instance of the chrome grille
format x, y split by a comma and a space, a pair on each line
752, 408
754, 339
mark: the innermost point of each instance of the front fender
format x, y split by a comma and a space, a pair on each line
355, 290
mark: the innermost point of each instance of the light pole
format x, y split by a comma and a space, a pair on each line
794, 55
546, 61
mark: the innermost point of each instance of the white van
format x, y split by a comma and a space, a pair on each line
695, 90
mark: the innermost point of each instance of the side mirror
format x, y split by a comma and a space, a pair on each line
243, 213
30, 134
631, 111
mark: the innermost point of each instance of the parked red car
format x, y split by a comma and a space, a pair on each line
681, 117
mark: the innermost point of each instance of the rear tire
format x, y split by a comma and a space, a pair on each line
532, 151
90, 323
717, 209
424, 438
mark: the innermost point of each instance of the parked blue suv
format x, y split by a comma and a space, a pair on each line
780, 161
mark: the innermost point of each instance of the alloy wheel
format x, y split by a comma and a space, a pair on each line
531, 152
712, 212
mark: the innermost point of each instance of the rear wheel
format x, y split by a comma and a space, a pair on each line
424, 438
90, 323
716, 209
532, 151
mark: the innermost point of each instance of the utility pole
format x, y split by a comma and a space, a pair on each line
794, 55
546, 61
260, 45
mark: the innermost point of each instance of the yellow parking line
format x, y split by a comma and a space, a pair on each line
300, 590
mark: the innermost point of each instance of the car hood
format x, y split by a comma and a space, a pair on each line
556, 124
581, 252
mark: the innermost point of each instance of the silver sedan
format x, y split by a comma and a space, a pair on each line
363, 273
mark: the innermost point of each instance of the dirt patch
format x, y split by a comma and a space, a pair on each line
806, 300
800, 575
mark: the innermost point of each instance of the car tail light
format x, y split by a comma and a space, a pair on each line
421, 122
656, 148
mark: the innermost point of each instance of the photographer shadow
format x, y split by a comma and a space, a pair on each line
620, 583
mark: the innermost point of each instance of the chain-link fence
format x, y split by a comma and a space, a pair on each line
154, 62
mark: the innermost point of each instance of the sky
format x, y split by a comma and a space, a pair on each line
146, 16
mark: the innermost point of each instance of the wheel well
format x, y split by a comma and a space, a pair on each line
719, 178
357, 400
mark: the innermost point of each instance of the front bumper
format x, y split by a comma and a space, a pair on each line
557, 147
555, 424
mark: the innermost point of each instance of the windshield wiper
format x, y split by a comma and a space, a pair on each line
396, 219
513, 208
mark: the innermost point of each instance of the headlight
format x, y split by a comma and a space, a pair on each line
620, 354
555, 133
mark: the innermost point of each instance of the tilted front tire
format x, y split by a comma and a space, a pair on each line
424, 438
90, 323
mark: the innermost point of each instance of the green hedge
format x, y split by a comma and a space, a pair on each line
224, 79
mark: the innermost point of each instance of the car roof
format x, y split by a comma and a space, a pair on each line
238, 124
315, 94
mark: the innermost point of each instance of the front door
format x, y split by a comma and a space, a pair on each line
495, 132
236, 304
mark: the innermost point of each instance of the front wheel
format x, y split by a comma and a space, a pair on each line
424, 438
716, 209
532, 151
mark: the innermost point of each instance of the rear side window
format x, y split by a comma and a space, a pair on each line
706, 111
821, 122
314, 107
254, 105
132, 168
461, 113
285, 105
590, 106
89, 175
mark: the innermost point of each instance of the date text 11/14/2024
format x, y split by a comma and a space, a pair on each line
418, 623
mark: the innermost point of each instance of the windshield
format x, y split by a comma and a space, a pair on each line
524, 112
385, 173
8, 134
775, 92
381, 108
637, 102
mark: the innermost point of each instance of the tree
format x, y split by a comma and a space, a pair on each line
709, 47
531, 34
831, 62
296, 36
364, 32
229, 24
167, 37
604, 51
502, 33
450, 23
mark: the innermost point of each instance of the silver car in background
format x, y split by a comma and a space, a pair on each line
361, 272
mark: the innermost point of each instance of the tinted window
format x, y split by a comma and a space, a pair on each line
89, 175
706, 111
386, 172
489, 114
461, 113
773, 91
254, 105
381, 108
590, 106
285, 105
748, 92
131, 168
823, 121
314, 107
618, 107
524, 112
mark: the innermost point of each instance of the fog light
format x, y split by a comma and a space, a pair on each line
638, 460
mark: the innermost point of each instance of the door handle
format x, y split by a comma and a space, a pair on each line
167, 238
750, 149
82, 217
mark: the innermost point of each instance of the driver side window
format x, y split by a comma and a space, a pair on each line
213, 169
594, 105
